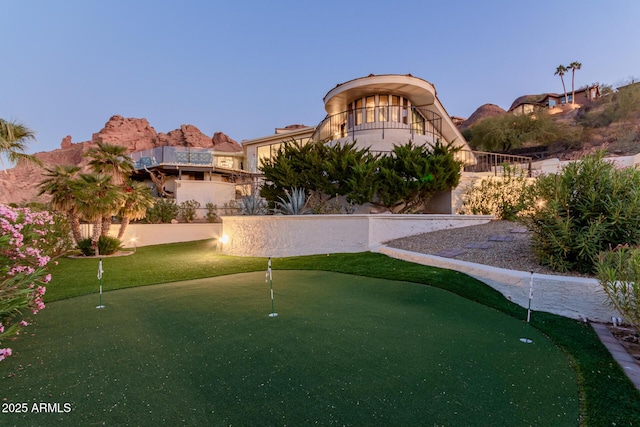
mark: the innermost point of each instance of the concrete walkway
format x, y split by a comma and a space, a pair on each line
624, 359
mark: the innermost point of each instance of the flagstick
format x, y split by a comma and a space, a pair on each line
100, 271
526, 339
270, 276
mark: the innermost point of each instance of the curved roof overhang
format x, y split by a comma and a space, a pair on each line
419, 91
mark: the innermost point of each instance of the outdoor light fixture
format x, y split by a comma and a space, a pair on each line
222, 240
133, 240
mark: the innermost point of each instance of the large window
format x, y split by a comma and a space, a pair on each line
357, 106
370, 105
379, 108
383, 108
267, 152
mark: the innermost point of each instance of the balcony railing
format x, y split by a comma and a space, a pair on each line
416, 121
483, 161
185, 156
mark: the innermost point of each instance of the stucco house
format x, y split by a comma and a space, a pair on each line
209, 175
376, 111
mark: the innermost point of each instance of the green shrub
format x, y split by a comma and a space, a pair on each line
402, 181
618, 271
212, 212
585, 209
163, 210
107, 245
411, 174
507, 197
188, 210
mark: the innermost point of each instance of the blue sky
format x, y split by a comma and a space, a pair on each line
247, 67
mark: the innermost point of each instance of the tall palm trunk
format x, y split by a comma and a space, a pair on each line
95, 236
123, 227
566, 101
106, 225
74, 221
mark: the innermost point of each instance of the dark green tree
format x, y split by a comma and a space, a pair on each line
507, 131
412, 174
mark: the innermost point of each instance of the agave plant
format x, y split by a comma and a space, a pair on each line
295, 203
253, 205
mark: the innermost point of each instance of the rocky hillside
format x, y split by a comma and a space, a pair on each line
20, 184
610, 124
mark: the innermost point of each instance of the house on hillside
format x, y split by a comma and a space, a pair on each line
378, 112
528, 103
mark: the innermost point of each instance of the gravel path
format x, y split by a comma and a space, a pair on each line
515, 254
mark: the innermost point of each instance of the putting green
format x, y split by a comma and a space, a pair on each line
344, 350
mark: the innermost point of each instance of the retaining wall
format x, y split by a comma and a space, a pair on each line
296, 235
573, 297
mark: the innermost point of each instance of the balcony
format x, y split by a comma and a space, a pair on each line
202, 158
378, 121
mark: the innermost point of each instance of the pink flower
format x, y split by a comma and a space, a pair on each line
4, 352
23, 323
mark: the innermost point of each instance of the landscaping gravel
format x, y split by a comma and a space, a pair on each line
483, 244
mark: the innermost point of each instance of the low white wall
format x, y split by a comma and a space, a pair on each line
157, 234
215, 192
573, 297
383, 228
294, 235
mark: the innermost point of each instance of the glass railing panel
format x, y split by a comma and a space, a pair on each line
201, 156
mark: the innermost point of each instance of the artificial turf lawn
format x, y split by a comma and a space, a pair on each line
607, 396
344, 350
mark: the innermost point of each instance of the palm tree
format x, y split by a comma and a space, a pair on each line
97, 198
110, 160
575, 65
13, 137
560, 71
138, 199
60, 185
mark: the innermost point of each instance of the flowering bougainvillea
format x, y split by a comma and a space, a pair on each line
23, 274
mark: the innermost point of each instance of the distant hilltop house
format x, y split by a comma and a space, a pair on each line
632, 85
528, 103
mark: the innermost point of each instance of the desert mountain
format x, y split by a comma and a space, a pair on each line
20, 184
482, 112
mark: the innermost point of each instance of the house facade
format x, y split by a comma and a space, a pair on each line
528, 103
208, 175
376, 111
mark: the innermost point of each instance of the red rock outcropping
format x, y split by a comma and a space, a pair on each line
484, 111
20, 184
